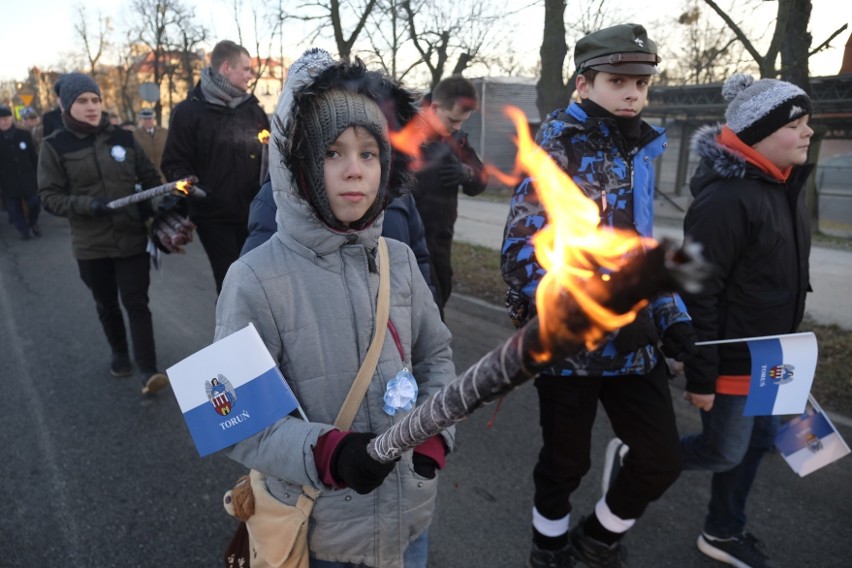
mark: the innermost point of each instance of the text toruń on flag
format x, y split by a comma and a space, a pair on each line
230, 390
782, 371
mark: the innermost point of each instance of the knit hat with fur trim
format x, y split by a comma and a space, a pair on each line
328, 99
759, 108
324, 118
73, 85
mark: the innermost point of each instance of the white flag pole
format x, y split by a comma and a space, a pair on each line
742, 339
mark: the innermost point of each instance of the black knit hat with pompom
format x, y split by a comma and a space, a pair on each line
759, 108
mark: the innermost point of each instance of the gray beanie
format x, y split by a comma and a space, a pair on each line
759, 108
73, 85
325, 116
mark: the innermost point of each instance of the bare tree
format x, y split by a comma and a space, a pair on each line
706, 53
387, 34
451, 29
551, 90
95, 44
336, 12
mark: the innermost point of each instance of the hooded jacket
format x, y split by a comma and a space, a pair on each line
311, 292
755, 230
606, 169
74, 168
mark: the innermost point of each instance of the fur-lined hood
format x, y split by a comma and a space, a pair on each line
717, 161
313, 73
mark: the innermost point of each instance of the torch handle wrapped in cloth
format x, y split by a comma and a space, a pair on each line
185, 187
661, 269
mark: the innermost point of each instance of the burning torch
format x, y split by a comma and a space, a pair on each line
597, 280
185, 187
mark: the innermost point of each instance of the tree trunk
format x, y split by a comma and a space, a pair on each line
551, 91
794, 51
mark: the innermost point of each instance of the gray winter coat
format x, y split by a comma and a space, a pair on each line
311, 293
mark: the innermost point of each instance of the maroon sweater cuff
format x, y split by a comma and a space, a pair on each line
323, 451
434, 448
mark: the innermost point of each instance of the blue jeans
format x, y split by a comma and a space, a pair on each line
731, 446
416, 556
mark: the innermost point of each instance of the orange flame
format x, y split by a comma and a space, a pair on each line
183, 186
424, 127
573, 246
263, 136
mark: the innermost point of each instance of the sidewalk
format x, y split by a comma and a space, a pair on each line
481, 222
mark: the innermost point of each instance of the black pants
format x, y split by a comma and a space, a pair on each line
109, 278
222, 242
640, 410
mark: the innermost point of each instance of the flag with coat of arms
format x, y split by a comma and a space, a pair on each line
782, 372
230, 390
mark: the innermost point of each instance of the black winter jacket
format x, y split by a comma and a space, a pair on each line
220, 146
18, 162
755, 230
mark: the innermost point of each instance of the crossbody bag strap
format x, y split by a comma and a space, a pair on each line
365, 373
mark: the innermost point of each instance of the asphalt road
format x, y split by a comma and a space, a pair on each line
97, 476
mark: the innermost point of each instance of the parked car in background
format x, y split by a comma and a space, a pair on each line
834, 190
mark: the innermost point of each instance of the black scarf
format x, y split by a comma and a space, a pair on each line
630, 127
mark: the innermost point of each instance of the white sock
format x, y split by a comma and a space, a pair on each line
549, 527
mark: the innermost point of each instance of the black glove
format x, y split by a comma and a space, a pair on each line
452, 172
679, 341
424, 466
98, 207
641, 332
353, 466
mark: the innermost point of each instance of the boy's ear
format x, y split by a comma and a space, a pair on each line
582, 86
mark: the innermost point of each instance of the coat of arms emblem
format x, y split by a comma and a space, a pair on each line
221, 394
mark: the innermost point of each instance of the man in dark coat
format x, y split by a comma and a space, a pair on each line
450, 163
213, 135
18, 166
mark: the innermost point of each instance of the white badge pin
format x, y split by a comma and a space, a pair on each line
22, 145
118, 153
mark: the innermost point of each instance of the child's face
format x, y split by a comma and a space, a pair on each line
787, 146
621, 95
353, 172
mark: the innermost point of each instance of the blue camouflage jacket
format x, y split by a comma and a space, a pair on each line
608, 170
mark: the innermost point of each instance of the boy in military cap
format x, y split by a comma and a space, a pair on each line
608, 150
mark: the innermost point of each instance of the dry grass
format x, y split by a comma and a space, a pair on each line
477, 273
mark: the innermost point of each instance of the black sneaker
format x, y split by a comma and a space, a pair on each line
613, 460
120, 365
154, 383
742, 551
594, 553
540, 558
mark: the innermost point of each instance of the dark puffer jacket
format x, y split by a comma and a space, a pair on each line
75, 168
755, 230
220, 146
18, 159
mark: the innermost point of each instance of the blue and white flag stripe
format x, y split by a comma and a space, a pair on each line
782, 371
262, 395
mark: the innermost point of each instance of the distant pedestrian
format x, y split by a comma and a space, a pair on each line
18, 164
152, 137
31, 122
52, 119
81, 169
450, 164
750, 216
213, 135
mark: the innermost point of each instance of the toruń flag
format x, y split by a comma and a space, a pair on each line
230, 390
